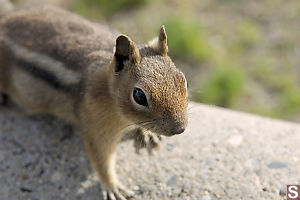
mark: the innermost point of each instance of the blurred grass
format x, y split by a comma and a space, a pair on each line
240, 54
187, 40
248, 34
223, 88
102, 9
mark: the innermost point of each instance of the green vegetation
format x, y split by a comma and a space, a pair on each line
249, 34
290, 102
223, 88
187, 40
96, 9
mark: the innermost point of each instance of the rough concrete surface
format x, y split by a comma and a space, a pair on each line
223, 155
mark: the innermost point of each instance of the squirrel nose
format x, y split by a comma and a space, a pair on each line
178, 127
178, 131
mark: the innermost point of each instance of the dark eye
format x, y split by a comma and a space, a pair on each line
140, 97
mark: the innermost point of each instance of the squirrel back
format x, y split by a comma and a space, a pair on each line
64, 36
54, 50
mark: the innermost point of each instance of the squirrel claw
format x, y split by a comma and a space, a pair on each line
119, 193
147, 140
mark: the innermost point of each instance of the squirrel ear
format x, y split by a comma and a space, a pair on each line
162, 41
126, 50
160, 44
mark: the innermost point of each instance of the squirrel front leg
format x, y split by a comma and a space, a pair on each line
101, 135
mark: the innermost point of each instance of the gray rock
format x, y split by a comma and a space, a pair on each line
206, 197
56, 176
222, 155
172, 181
277, 165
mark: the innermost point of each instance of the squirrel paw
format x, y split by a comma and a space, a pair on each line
118, 193
146, 140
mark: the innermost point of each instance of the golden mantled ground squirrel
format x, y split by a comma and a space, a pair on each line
55, 62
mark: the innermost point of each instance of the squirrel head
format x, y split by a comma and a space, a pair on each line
147, 87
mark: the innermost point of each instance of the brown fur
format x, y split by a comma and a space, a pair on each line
64, 65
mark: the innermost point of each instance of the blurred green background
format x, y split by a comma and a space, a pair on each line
238, 54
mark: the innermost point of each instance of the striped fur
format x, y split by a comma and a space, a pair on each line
45, 68
55, 48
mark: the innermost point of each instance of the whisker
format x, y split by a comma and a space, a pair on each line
142, 124
191, 107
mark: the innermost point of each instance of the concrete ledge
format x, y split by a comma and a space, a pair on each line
223, 155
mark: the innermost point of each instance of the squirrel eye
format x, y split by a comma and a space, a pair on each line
140, 97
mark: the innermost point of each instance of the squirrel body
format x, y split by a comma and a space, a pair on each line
55, 62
